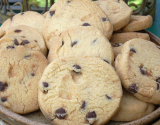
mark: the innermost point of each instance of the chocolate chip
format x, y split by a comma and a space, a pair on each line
62, 43
143, 70
18, 31
60, 113
83, 105
91, 115
77, 66
22, 13
27, 56
108, 97
118, 1
74, 43
104, 19
157, 86
45, 84
3, 99
10, 47
86, 24
52, 13
16, 42
6, 85
133, 88
1, 86
25, 42
132, 50
68, 1
106, 61
45, 91
35, 41
158, 80
94, 40
32, 74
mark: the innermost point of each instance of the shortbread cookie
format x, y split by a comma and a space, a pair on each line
80, 90
138, 23
117, 11
66, 14
20, 72
139, 69
28, 18
118, 39
30, 34
81, 42
10, 41
132, 108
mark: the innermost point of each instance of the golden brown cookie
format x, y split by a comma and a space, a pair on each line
118, 39
118, 12
139, 69
82, 42
20, 72
138, 23
80, 90
66, 14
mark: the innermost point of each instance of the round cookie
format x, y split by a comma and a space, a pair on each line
28, 18
20, 72
118, 12
10, 41
139, 69
118, 39
81, 42
132, 108
30, 34
138, 23
80, 90
65, 14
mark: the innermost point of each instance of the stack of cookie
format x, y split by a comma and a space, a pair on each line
81, 39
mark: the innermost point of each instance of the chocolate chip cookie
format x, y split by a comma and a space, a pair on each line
80, 90
118, 39
65, 14
118, 12
81, 42
28, 33
139, 69
28, 18
20, 72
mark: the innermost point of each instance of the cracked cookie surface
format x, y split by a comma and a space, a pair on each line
20, 72
65, 14
81, 42
28, 33
79, 90
139, 69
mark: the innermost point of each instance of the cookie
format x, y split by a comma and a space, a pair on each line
139, 69
138, 23
118, 39
132, 108
28, 18
81, 42
66, 14
20, 72
118, 12
10, 41
80, 90
30, 34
